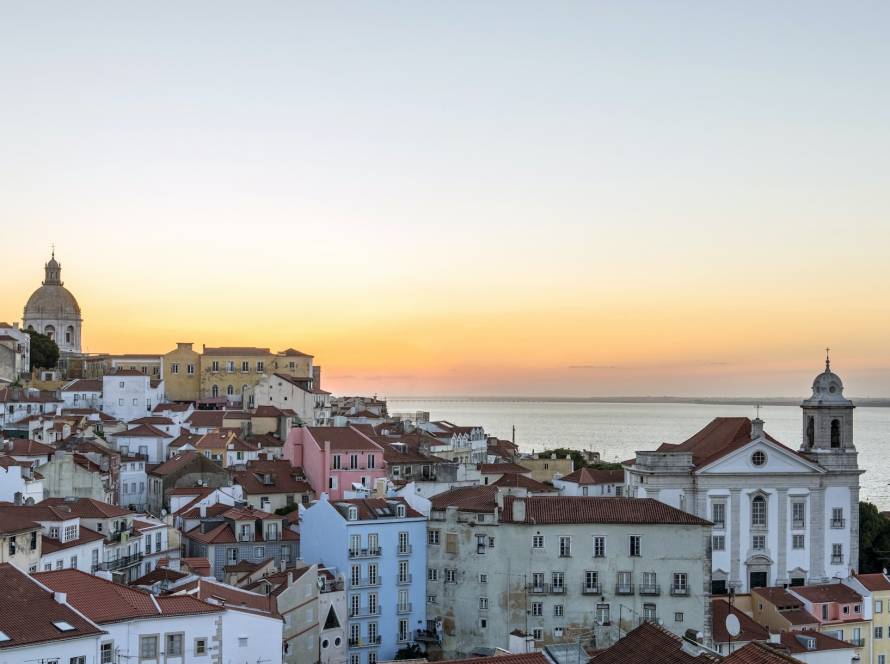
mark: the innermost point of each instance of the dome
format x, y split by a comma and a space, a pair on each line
52, 301
828, 386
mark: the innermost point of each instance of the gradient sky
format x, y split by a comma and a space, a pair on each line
530, 198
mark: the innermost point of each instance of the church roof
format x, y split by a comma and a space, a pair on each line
52, 299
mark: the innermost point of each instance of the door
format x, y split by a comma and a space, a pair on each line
758, 580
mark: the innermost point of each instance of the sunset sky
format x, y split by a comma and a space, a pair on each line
505, 198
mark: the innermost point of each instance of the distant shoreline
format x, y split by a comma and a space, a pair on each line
867, 402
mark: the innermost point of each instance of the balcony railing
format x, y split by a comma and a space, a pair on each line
121, 563
366, 583
403, 608
404, 550
557, 589
426, 636
539, 588
798, 524
364, 611
650, 589
332, 586
365, 642
858, 643
838, 523
624, 589
591, 589
680, 591
365, 553
403, 579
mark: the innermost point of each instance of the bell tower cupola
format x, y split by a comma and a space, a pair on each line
828, 421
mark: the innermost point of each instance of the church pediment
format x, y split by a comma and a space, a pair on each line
761, 455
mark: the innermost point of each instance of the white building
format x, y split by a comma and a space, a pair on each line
780, 516
145, 440
15, 352
591, 482
128, 394
307, 400
19, 482
82, 393
19, 403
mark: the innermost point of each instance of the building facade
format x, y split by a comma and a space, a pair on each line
52, 310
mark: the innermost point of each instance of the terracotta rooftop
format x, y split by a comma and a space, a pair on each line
496, 468
468, 498
515, 480
293, 352
590, 476
828, 592
873, 582
87, 508
29, 613
171, 407
750, 629
214, 592
143, 431
154, 420
650, 644
760, 653
797, 641
107, 602
159, 574
83, 385
583, 509
343, 439
26, 447
206, 418
521, 658
178, 462
375, 508
271, 477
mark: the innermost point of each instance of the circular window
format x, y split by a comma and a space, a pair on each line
832, 389
324, 644
337, 641
758, 458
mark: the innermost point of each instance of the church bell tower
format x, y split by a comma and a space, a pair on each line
828, 423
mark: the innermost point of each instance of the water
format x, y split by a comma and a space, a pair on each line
617, 430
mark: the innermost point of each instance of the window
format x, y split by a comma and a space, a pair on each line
680, 584
758, 512
837, 554
483, 604
678, 616
565, 547
797, 542
537, 608
372, 464
537, 634
432, 537
260, 367
190, 369
77, 660
404, 576
591, 581
879, 632
174, 368
837, 517
537, 541
450, 576
625, 583
835, 433
245, 366
148, 647
718, 514
60, 564
230, 390
798, 514
558, 610
242, 641
599, 546
758, 542
557, 582
718, 543
879, 606
403, 630
481, 543
432, 574
34, 541
174, 645
106, 653
230, 366
483, 578
649, 612
634, 545
602, 614
758, 458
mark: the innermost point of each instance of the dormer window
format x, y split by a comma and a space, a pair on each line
353, 513
400, 511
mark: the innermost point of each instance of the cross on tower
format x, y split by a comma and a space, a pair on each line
827, 359
53, 245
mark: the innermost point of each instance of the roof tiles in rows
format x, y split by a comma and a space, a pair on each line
501, 468
828, 592
107, 602
26, 447
650, 644
481, 498
88, 508
584, 509
515, 480
343, 439
750, 629
214, 592
760, 653
154, 420
28, 612
86, 536
171, 407
874, 582
590, 476
143, 431
375, 508
83, 385
176, 463
792, 641
204, 419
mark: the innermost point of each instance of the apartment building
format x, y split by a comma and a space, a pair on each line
555, 567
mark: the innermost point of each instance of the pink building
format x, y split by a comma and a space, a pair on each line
335, 458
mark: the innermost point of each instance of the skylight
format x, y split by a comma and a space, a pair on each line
4, 637
63, 625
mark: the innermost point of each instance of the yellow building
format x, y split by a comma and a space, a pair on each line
875, 590
182, 377
545, 465
150, 365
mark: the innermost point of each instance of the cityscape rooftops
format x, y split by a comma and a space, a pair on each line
591, 476
343, 439
750, 629
873, 582
583, 509
651, 644
375, 508
828, 592
87, 508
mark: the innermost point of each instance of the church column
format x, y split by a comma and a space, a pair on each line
782, 564
817, 535
854, 527
735, 539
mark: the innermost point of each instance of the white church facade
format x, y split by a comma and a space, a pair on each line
781, 516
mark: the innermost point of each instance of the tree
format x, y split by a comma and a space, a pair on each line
874, 539
579, 461
411, 651
44, 351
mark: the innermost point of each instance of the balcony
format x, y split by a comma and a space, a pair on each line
557, 589
404, 550
858, 643
119, 535
332, 586
680, 591
624, 589
403, 579
591, 589
426, 636
121, 563
403, 608
652, 589
365, 553
539, 588
838, 523
364, 611
365, 642
366, 583
798, 524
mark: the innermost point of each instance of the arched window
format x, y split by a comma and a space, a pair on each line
758, 512
50, 331
811, 431
835, 433
230, 390
214, 390
69, 334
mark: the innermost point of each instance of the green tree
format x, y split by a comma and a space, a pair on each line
579, 461
44, 351
411, 651
874, 539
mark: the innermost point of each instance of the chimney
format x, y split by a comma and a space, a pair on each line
19, 499
499, 499
316, 377
60, 598
519, 510
756, 428
380, 487
203, 511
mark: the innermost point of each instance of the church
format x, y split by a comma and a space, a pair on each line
781, 516
52, 310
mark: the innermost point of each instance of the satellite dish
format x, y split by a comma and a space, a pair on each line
733, 626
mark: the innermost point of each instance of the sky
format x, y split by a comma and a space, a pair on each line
462, 198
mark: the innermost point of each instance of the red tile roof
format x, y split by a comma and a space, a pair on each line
515, 480
171, 407
650, 644
521, 658
873, 582
343, 439
584, 509
153, 419
822, 641
83, 385
500, 468
292, 352
25, 447
86, 536
759, 653
468, 499
107, 602
206, 418
143, 431
590, 476
87, 508
271, 477
214, 592
750, 629
828, 592
28, 611
376, 508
